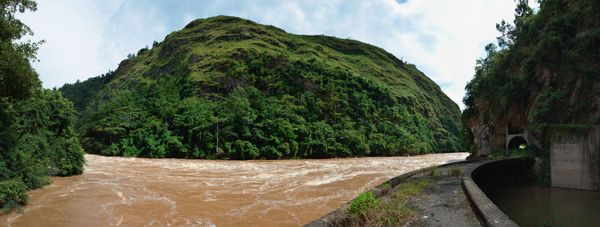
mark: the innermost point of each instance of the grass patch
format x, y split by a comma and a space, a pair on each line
498, 154
363, 204
368, 210
455, 171
386, 188
433, 173
520, 153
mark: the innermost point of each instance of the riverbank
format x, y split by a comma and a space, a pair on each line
138, 191
435, 197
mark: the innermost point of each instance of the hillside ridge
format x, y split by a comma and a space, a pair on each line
364, 100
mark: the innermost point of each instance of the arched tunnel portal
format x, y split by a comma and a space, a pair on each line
515, 142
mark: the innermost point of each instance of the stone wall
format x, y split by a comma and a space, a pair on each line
575, 158
482, 138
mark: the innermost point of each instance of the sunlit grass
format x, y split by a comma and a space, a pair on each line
368, 210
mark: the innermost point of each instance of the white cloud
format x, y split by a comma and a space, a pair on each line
443, 38
460, 32
72, 31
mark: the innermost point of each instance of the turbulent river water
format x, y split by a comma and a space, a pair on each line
117, 191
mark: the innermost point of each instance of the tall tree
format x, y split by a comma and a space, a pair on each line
36, 125
17, 77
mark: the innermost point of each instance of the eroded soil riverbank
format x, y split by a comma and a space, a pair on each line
158, 192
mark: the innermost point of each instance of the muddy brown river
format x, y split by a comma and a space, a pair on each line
117, 191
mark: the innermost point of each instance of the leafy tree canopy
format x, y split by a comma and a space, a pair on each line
37, 138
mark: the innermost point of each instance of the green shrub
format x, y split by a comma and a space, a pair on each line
363, 204
13, 194
545, 109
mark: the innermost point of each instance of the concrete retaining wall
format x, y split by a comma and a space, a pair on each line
488, 177
575, 158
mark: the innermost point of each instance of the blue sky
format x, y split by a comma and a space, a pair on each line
85, 38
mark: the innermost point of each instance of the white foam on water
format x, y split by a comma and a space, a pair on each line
325, 180
226, 192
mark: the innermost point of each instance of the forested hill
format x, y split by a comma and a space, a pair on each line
225, 87
545, 73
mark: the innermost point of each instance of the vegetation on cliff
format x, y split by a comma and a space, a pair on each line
225, 87
544, 71
37, 138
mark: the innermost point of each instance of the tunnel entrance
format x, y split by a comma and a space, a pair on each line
516, 142
516, 136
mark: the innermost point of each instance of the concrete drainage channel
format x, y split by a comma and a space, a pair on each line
479, 206
486, 210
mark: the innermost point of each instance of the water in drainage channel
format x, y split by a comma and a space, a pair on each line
530, 204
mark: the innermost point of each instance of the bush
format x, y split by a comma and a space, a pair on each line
363, 204
13, 194
39, 141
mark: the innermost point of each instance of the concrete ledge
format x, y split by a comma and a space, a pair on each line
327, 220
489, 213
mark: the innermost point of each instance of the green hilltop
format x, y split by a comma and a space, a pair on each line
226, 87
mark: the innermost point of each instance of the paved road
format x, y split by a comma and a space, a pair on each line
443, 202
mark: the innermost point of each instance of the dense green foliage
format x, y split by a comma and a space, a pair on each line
544, 75
37, 138
547, 66
13, 194
225, 87
81, 93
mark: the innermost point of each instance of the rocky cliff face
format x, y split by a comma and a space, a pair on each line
546, 74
